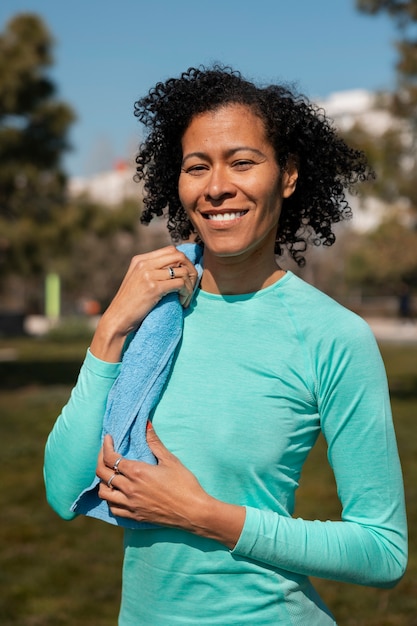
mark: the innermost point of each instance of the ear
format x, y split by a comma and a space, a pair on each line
290, 176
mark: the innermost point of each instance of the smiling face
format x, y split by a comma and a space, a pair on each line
230, 184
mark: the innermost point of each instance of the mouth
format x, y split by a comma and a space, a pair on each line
227, 216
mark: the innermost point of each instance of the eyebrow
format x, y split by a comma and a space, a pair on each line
229, 153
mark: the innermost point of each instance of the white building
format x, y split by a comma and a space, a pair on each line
108, 188
358, 106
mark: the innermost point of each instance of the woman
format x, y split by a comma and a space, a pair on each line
264, 364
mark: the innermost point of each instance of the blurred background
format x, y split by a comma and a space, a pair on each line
69, 224
69, 77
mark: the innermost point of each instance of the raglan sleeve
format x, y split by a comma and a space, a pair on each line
368, 545
74, 443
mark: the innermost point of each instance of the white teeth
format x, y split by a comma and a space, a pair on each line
223, 217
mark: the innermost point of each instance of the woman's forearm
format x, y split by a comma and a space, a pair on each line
107, 343
219, 521
75, 440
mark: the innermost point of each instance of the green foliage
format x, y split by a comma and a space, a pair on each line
380, 260
74, 328
33, 123
404, 12
387, 257
97, 246
33, 137
88, 245
56, 573
384, 258
385, 153
404, 100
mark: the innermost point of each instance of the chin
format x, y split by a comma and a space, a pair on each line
228, 250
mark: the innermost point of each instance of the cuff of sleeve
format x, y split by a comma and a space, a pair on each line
250, 532
101, 368
259, 539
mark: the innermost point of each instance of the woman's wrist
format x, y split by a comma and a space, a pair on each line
107, 343
220, 521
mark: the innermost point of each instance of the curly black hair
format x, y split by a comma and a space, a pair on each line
297, 130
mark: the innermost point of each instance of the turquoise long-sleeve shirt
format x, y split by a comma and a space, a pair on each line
254, 381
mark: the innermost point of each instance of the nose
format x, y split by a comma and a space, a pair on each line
219, 184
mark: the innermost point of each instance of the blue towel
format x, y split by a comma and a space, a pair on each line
146, 365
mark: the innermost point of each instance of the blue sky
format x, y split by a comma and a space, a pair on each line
108, 54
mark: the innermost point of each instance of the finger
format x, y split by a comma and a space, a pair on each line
172, 279
163, 266
122, 509
108, 450
110, 489
100, 463
182, 282
169, 256
186, 272
111, 480
112, 460
164, 256
186, 295
119, 511
155, 444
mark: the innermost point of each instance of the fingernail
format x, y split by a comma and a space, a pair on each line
148, 425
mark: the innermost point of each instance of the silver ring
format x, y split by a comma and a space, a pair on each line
171, 272
116, 465
109, 482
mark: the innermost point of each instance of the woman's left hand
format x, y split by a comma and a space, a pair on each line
165, 494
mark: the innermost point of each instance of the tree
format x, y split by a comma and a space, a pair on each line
383, 259
42, 230
33, 137
404, 12
97, 244
404, 101
33, 123
387, 152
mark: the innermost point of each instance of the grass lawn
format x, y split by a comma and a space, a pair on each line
56, 573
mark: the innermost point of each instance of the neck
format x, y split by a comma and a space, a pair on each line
234, 276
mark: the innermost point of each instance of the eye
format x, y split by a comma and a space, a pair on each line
243, 164
195, 170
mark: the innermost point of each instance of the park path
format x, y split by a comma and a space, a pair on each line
393, 330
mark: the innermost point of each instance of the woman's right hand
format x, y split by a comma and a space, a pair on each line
147, 280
